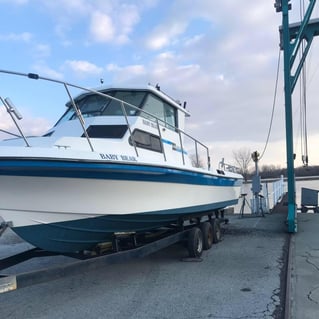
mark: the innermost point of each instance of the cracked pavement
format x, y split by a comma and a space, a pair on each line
239, 278
305, 268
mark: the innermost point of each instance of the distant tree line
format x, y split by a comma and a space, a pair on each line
273, 171
243, 159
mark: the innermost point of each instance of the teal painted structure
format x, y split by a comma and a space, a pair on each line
291, 37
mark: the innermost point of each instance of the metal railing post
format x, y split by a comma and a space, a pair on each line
79, 115
196, 153
129, 127
160, 136
182, 149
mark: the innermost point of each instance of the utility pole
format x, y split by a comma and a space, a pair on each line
292, 207
284, 6
256, 186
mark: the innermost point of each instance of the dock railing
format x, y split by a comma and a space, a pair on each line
270, 195
278, 188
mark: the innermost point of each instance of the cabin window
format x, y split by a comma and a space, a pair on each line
106, 131
132, 97
93, 105
146, 140
169, 115
161, 110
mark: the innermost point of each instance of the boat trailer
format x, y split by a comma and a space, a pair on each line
198, 235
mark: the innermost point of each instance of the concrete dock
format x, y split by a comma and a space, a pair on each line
243, 276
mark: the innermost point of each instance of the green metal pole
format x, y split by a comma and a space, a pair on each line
292, 211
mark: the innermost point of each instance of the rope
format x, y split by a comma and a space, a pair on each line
303, 101
273, 107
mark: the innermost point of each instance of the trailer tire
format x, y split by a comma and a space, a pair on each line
207, 231
217, 234
195, 242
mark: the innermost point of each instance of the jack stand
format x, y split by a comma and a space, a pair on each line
242, 208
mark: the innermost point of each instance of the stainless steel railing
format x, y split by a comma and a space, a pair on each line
15, 115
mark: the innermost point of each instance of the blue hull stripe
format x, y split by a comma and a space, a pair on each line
110, 170
175, 148
85, 234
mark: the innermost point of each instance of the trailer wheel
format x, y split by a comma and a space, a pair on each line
195, 242
217, 234
207, 231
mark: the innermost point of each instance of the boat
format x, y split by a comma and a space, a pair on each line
117, 161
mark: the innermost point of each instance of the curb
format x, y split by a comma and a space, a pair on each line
289, 299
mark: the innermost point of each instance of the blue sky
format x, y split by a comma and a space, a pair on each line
219, 56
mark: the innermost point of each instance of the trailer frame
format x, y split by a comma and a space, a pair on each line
136, 246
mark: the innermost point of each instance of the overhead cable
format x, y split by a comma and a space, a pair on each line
273, 106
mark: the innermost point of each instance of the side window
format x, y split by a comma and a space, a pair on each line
170, 116
146, 140
163, 111
154, 106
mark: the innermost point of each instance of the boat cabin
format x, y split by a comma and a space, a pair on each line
149, 103
146, 117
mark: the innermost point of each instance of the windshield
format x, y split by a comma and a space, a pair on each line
92, 105
98, 105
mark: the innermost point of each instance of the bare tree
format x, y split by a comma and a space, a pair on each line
196, 161
243, 158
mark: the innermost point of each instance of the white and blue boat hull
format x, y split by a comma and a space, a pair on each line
117, 160
70, 206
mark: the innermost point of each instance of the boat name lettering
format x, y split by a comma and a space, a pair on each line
116, 157
128, 158
109, 156
148, 123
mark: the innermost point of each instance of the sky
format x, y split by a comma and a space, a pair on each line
219, 56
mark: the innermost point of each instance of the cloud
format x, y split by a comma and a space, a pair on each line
35, 126
42, 50
163, 35
30, 125
101, 28
126, 73
113, 25
17, 37
128, 17
82, 68
44, 70
15, 2
111, 22
195, 40
6, 123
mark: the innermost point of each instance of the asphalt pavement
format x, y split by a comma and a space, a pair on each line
303, 276
243, 276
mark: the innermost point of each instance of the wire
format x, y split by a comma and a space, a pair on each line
303, 99
273, 106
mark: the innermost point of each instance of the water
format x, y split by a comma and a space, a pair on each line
246, 189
